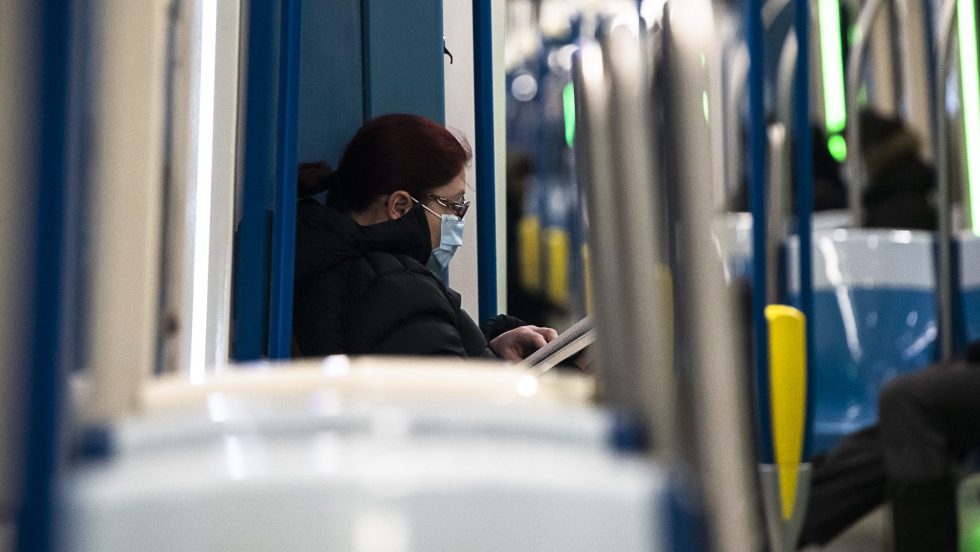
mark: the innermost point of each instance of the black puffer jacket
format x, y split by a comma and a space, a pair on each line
366, 290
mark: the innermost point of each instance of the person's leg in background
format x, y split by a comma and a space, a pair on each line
848, 483
927, 419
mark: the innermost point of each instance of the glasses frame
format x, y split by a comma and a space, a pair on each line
458, 208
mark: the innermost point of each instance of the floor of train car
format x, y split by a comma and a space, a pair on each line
871, 534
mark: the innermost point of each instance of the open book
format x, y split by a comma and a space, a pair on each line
571, 341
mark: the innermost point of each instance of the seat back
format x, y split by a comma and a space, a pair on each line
874, 318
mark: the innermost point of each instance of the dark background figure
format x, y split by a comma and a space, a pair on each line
901, 186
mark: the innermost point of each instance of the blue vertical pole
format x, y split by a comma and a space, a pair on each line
757, 204
804, 195
251, 270
284, 215
52, 37
485, 188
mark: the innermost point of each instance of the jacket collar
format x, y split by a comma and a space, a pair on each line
326, 237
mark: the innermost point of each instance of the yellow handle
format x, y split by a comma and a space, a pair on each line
529, 246
787, 395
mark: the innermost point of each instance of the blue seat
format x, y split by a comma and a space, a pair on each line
874, 318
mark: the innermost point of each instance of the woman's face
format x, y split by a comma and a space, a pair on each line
453, 191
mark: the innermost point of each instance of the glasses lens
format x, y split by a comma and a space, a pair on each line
458, 208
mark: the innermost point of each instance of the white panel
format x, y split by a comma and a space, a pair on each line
499, 30
16, 87
374, 454
126, 191
199, 220
886, 259
460, 117
224, 178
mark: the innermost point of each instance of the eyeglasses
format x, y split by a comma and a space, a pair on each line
458, 208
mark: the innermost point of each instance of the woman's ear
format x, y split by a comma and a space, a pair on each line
399, 203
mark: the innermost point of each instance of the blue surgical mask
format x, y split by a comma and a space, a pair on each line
450, 238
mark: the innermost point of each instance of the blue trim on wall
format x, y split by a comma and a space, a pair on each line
485, 188
52, 37
251, 276
284, 215
757, 204
804, 198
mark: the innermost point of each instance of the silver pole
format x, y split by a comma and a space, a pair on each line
913, 52
945, 277
855, 67
711, 357
777, 204
632, 283
734, 144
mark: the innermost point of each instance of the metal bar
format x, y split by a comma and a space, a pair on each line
52, 35
855, 67
757, 205
804, 193
738, 71
944, 275
917, 83
284, 215
639, 258
778, 193
483, 86
251, 278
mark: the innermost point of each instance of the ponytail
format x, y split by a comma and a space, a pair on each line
313, 178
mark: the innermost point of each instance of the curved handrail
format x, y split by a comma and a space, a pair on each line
736, 85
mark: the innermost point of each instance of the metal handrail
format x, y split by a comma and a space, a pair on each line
855, 67
944, 281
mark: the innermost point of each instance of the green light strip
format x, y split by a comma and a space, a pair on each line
568, 103
832, 63
966, 22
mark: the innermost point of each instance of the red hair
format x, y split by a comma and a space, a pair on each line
390, 153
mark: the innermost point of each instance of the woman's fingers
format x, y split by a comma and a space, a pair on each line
549, 334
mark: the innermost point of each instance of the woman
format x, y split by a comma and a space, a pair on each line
367, 262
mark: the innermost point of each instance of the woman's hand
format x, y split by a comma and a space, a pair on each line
519, 343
